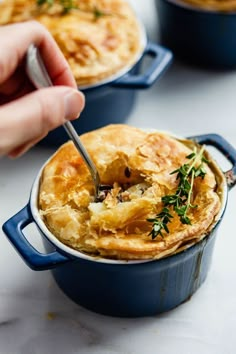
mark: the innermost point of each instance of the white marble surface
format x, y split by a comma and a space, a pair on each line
37, 318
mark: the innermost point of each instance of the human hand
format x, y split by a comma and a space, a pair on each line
26, 114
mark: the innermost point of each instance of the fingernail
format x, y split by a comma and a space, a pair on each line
74, 104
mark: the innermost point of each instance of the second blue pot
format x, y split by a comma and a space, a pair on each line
198, 36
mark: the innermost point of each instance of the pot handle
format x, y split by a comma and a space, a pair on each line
35, 260
162, 58
225, 148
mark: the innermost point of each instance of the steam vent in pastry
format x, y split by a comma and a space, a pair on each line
99, 38
143, 169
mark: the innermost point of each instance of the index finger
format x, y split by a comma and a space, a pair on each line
22, 35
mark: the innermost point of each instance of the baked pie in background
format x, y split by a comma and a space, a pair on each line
99, 38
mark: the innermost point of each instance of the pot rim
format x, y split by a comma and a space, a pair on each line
125, 69
33, 202
189, 7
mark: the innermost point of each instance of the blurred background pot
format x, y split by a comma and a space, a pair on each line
121, 288
198, 36
112, 100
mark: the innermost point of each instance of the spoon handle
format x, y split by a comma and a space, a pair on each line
80, 147
39, 76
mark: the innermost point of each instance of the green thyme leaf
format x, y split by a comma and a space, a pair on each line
98, 13
160, 223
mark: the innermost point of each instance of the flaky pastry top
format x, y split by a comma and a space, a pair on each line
138, 165
99, 38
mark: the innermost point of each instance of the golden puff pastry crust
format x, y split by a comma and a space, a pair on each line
138, 165
99, 38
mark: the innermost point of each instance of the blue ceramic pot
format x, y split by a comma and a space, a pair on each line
112, 100
198, 36
121, 288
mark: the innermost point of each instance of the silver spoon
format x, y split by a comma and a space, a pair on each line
38, 74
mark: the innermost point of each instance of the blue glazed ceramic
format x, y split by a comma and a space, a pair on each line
198, 36
122, 288
111, 101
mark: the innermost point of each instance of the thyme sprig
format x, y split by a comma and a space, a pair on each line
181, 201
68, 5
160, 223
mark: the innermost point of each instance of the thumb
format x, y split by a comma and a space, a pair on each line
27, 120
